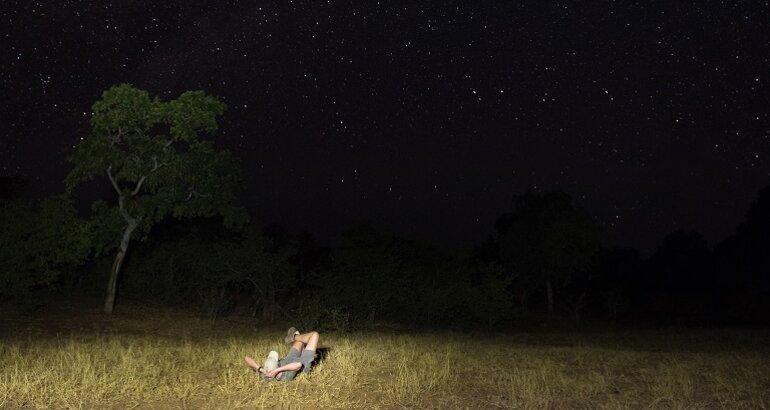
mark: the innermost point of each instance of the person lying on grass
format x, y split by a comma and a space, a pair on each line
300, 356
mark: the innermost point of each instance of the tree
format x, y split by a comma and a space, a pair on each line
490, 300
261, 265
618, 280
742, 266
159, 166
38, 242
682, 263
545, 239
367, 274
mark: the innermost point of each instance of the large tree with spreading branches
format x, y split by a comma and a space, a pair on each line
154, 156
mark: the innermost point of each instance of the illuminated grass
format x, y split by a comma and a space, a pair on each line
178, 362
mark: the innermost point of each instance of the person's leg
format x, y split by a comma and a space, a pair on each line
306, 341
297, 345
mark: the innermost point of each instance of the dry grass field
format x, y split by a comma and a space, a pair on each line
154, 359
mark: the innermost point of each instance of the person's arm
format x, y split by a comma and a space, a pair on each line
291, 367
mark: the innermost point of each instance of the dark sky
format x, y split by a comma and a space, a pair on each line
426, 117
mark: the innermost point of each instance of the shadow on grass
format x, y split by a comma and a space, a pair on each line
321, 354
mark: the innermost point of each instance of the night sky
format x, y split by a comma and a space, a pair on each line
423, 117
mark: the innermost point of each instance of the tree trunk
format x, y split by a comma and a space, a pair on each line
578, 307
549, 290
524, 301
112, 286
372, 313
268, 305
169, 286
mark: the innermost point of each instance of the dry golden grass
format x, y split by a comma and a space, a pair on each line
155, 360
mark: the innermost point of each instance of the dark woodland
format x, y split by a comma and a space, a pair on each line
542, 265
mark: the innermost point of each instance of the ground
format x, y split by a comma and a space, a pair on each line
73, 356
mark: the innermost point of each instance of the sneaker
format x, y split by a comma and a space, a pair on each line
290, 335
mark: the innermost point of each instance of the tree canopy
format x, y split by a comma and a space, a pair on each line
545, 239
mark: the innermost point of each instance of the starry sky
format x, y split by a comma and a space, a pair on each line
423, 117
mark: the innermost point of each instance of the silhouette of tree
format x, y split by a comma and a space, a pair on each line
261, 265
367, 271
679, 279
742, 264
618, 279
682, 262
545, 239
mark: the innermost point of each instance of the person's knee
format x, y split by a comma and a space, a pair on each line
312, 339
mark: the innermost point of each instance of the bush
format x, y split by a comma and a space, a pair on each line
312, 313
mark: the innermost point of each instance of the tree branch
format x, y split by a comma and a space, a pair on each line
112, 179
123, 212
155, 167
116, 138
138, 186
193, 192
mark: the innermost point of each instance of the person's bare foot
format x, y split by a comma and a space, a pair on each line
252, 363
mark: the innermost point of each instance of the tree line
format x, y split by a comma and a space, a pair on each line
173, 233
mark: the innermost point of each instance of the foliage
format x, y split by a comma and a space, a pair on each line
108, 226
366, 274
377, 278
38, 242
313, 313
258, 266
215, 271
545, 239
215, 299
617, 273
169, 271
490, 301
158, 164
